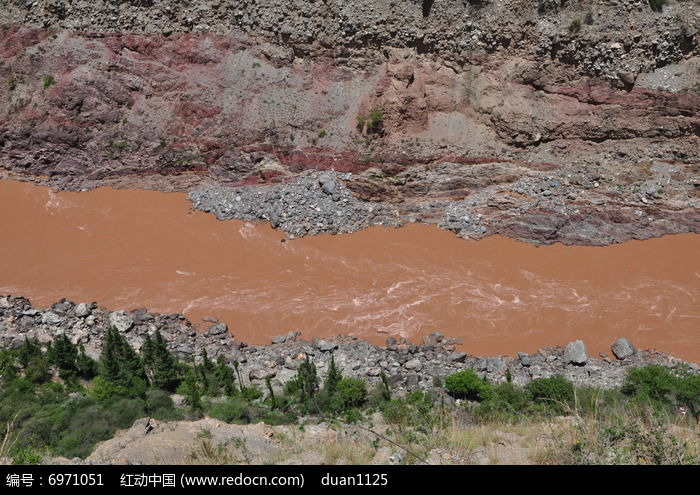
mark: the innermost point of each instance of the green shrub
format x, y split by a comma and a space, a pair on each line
556, 393
397, 412
372, 122
251, 393
653, 383
103, 390
657, 5
467, 385
234, 410
351, 393
575, 26
26, 456
160, 406
506, 402
47, 81
375, 119
662, 389
275, 418
322, 133
688, 393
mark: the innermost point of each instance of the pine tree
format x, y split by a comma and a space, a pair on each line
85, 365
224, 375
109, 359
236, 365
29, 351
307, 379
268, 382
148, 352
207, 364
190, 389
163, 365
121, 365
8, 369
129, 360
63, 355
333, 376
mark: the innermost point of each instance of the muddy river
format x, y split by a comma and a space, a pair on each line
128, 249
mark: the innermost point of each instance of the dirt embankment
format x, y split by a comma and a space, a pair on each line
545, 121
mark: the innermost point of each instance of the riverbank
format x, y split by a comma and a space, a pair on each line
339, 401
408, 365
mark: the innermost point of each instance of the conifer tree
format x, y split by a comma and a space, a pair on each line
268, 382
85, 365
120, 364
147, 352
130, 361
333, 376
307, 379
109, 359
163, 365
224, 375
63, 355
190, 389
8, 368
29, 351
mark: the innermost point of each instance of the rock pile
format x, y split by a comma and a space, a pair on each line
406, 365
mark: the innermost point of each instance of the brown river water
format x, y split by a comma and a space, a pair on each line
128, 249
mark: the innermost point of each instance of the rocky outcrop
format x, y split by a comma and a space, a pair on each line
493, 118
623, 348
405, 364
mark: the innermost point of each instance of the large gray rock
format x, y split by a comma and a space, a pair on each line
218, 329
280, 339
495, 365
457, 357
82, 310
329, 186
51, 318
433, 339
525, 359
121, 321
324, 346
575, 353
623, 348
413, 364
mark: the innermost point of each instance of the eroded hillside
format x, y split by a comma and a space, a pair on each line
544, 121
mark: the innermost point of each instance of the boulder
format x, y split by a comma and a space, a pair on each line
413, 364
324, 346
525, 359
121, 321
575, 353
433, 339
217, 329
51, 318
623, 348
280, 339
82, 310
495, 365
457, 357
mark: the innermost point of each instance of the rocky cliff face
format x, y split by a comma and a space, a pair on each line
545, 121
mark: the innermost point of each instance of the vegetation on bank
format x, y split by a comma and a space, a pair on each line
61, 402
